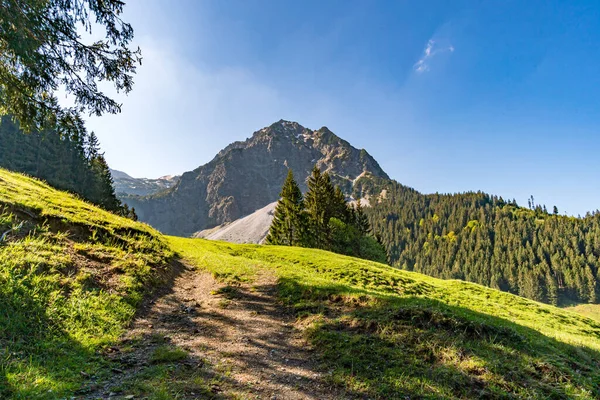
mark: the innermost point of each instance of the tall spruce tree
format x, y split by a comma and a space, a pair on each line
289, 223
341, 210
319, 207
361, 220
102, 189
324, 220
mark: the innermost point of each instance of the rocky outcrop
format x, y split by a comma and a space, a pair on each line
246, 176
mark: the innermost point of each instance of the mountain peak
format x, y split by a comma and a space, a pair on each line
286, 123
285, 127
294, 130
247, 175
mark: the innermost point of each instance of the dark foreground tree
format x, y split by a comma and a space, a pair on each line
42, 51
289, 222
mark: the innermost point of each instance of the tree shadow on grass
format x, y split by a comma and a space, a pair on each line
410, 347
38, 357
245, 350
153, 367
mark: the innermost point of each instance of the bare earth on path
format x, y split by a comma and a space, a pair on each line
240, 342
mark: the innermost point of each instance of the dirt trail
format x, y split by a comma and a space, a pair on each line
240, 334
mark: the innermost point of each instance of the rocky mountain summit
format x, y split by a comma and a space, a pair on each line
247, 175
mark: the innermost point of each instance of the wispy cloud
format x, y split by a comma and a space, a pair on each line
431, 49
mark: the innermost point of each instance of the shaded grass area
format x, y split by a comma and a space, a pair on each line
164, 371
167, 354
71, 277
169, 381
387, 333
389, 348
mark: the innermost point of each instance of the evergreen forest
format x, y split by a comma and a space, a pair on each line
322, 219
485, 239
68, 161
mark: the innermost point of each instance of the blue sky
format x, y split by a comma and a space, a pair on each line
499, 96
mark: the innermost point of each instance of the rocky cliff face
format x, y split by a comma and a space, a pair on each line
248, 175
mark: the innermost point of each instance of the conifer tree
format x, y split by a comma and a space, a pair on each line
361, 219
289, 222
341, 210
319, 208
323, 220
43, 49
92, 146
103, 189
70, 162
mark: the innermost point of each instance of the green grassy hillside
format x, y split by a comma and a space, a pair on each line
589, 310
71, 277
389, 333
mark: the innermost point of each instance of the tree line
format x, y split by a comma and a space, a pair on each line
322, 219
491, 241
68, 161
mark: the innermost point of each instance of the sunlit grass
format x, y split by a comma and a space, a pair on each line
32, 194
71, 277
387, 333
589, 310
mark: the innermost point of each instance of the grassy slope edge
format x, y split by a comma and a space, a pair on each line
388, 333
71, 277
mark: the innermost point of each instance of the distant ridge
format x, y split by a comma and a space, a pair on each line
118, 175
126, 185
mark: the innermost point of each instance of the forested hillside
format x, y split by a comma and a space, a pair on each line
71, 162
488, 240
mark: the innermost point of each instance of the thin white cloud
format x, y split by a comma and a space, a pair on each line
431, 49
